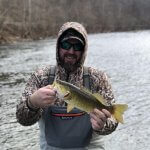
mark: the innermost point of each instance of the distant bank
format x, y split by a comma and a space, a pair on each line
35, 19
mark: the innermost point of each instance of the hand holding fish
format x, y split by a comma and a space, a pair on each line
99, 118
43, 97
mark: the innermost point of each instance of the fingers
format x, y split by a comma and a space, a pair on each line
99, 118
100, 115
45, 96
49, 91
107, 113
50, 98
49, 87
95, 124
48, 102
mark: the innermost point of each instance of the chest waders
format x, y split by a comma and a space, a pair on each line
67, 130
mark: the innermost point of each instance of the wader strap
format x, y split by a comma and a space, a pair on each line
86, 77
52, 74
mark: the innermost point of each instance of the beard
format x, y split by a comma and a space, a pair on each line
69, 66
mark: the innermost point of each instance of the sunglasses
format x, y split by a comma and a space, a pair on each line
76, 46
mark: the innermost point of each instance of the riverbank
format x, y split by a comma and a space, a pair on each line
7, 38
36, 19
10, 39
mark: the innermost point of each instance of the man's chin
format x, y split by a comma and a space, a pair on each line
70, 67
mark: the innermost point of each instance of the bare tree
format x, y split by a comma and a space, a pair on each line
36, 18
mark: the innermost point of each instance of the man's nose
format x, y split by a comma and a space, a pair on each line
71, 50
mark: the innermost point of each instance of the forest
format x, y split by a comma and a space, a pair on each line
35, 19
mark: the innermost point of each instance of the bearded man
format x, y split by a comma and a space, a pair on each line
39, 102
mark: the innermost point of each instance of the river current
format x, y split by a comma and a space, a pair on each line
124, 56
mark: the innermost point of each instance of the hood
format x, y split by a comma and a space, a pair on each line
79, 28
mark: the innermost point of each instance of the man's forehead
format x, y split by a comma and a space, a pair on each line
73, 40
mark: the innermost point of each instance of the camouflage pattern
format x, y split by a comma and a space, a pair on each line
99, 83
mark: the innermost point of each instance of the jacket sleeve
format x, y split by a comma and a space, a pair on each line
101, 84
26, 115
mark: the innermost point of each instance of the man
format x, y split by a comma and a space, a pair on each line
78, 130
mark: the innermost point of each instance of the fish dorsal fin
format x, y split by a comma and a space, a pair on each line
100, 98
69, 108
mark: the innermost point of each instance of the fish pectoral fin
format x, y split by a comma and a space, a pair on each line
69, 108
100, 98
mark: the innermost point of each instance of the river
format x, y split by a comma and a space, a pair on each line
124, 56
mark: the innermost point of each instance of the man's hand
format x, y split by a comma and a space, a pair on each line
43, 97
99, 118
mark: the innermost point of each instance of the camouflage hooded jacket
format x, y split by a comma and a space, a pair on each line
40, 78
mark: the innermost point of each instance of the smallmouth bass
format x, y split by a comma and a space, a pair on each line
85, 100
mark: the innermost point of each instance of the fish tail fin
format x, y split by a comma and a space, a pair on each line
118, 110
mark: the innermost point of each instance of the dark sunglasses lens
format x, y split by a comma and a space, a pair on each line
78, 47
65, 45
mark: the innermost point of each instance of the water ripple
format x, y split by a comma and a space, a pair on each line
125, 57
